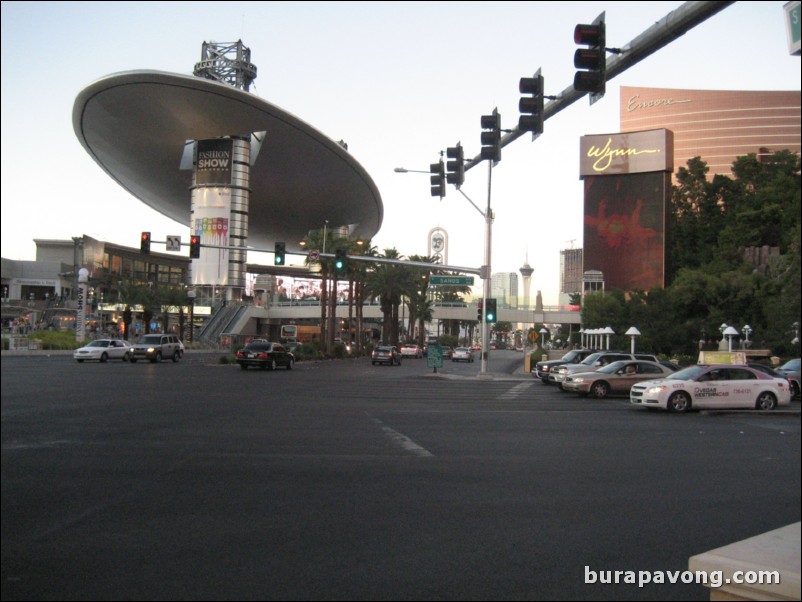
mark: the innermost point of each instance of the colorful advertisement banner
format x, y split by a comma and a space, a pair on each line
624, 232
212, 207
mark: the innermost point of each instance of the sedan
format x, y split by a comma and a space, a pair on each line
265, 355
104, 350
615, 378
412, 351
462, 354
719, 386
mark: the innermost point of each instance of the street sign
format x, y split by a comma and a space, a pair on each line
434, 357
451, 280
174, 243
314, 255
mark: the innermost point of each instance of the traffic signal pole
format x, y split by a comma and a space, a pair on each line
486, 270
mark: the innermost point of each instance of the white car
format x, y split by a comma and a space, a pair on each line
719, 386
412, 351
462, 354
103, 350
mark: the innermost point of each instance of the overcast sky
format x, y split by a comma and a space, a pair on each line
398, 81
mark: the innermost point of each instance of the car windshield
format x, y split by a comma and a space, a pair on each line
612, 368
687, 373
591, 359
259, 347
98, 344
571, 356
791, 365
150, 339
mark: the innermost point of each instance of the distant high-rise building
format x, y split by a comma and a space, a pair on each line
570, 274
504, 288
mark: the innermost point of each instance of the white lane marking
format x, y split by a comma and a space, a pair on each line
516, 391
403, 441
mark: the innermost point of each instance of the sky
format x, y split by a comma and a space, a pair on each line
398, 81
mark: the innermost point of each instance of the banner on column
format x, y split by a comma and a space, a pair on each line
211, 221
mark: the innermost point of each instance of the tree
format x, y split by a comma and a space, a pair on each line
386, 282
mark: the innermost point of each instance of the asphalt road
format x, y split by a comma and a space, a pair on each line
340, 480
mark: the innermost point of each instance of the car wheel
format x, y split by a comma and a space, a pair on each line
794, 389
289, 365
272, 364
600, 389
176, 356
243, 366
766, 401
104, 358
679, 402
127, 357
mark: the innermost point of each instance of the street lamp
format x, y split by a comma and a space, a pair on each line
632, 333
405, 170
747, 330
543, 333
730, 332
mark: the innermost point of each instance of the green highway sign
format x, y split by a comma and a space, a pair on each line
452, 280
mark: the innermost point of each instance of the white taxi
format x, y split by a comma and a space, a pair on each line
717, 386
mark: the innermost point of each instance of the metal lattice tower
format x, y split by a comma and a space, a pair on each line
228, 63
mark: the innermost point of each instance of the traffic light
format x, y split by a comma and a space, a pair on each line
490, 314
278, 253
480, 314
456, 168
438, 178
144, 243
592, 60
339, 260
194, 246
531, 107
491, 136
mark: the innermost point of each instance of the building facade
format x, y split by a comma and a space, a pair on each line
716, 125
504, 288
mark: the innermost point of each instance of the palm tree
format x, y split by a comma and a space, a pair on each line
386, 283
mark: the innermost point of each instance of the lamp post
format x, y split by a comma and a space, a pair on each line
730, 332
722, 344
543, 333
632, 333
747, 330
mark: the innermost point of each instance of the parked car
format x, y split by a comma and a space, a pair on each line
544, 370
717, 386
790, 370
265, 355
157, 347
104, 350
413, 351
386, 354
615, 378
597, 360
462, 354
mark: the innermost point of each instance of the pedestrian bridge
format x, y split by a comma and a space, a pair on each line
299, 310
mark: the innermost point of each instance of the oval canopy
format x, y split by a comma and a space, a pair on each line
136, 125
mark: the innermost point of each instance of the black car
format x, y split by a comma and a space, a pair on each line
265, 355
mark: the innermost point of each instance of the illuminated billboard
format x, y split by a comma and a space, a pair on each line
627, 188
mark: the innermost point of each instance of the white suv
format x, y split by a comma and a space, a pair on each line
158, 347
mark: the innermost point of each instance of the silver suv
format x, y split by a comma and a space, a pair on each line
597, 360
157, 347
